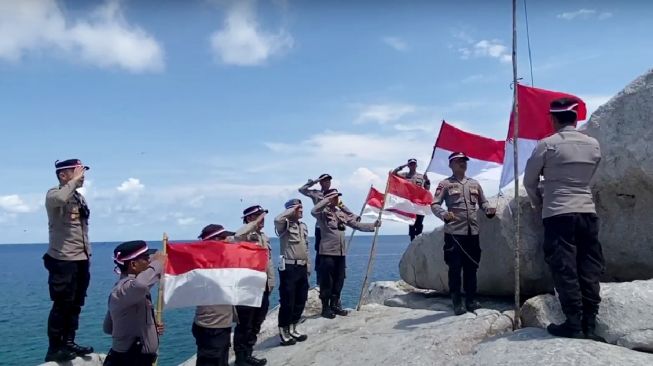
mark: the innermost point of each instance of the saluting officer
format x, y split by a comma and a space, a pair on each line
67, 260
333, 249
251, 318
420, 180
212, 324
294, 270
462, 251
130, 319
568, 160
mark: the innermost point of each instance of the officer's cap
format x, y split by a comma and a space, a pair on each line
214, 231
293, 203
332, 193
412, 160
69, 164
457, 155
324, 176
130, 250
563, 105
253, 210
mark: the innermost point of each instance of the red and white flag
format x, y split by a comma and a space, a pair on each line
214, 273
485, 155
534, 125
403, 201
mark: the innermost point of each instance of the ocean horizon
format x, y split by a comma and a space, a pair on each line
25, 303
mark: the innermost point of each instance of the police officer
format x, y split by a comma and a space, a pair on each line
130, 319
333, 221
316, 196
251, 318
462, 251
420, 180
567, 161
212, 324
67, 260
294, 269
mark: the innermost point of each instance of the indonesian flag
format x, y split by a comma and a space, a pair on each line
403, 201
485, 154
214, 273
534, 125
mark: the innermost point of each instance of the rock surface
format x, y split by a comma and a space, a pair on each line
94, 359
625, 317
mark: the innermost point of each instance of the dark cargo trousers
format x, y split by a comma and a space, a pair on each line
293, 292
462, 253
249, 324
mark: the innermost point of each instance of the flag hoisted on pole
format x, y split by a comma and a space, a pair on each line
159, 300
370, 261
517, 321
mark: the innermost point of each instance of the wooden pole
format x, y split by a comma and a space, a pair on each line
351, 237
159, 300
517, 321
370, 261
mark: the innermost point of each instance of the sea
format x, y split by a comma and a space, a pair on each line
25, 303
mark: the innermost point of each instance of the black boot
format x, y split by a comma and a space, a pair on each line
286, 338
76, 348
241, 358
336, 307
253, 361
571, 328
589, 328
471, 304
58, 352
299, 337
458, 308
326, 310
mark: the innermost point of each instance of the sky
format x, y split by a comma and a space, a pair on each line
190, 111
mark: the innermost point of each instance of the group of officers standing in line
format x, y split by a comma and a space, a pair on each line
567, 161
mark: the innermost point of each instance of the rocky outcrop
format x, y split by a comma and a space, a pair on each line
94, 359
625, 317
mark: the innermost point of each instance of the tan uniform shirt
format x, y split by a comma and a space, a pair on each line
316, 195
131, 314
332, 225
214, 316
567, 160
250, 233
67, 227
463, 198
293, 237
416, 178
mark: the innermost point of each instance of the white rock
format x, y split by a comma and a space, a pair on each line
625, 317
94, 359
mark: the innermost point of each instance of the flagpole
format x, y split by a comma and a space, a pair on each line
370, 261
159, 300
351, 237
517, 321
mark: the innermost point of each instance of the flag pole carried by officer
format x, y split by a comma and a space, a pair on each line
420, 180
462, 251
567, 160
294, 269
67, 260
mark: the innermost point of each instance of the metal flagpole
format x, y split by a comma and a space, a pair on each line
351, 237
517, 321
370, 261
159, 300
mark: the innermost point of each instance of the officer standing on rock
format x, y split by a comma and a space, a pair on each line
567, 161
294, 269
462, 251
420, 180
67, 260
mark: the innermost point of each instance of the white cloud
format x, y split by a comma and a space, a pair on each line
384, 113
242, 42
185, 221
13, 204
131, 185
396, 43
493, 48
584, 14
104, 38
422, 127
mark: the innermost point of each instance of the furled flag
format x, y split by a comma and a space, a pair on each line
403, 201
534, 125
485, 154
214, 273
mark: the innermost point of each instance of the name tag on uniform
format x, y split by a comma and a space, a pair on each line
454, 191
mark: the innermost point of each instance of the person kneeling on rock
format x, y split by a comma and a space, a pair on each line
294, 269
462, 250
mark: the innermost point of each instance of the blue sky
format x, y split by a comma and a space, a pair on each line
190, 111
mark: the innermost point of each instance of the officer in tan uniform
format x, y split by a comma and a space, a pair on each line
294, 269
130, 319
333, 222
212, 324
420, 180
567, 160
251, 318
462, 251
67, 260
